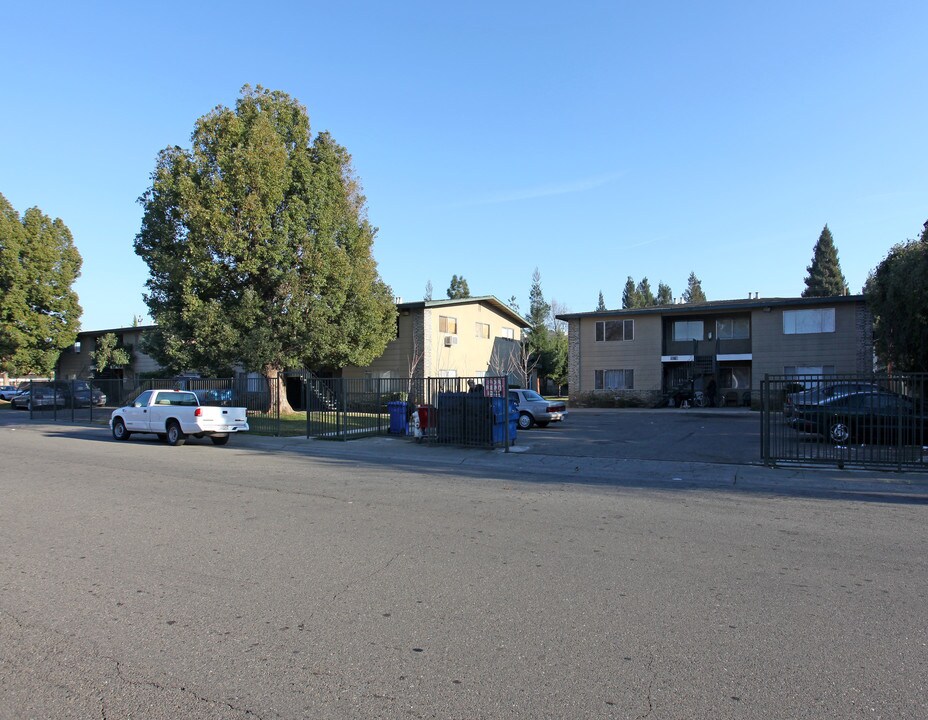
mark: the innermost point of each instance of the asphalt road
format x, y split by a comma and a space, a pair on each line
142, 581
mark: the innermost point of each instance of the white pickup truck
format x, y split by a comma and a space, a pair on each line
172, 415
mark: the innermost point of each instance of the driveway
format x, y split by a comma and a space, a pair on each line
712, 435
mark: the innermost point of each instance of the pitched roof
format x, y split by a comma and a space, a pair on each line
490, 300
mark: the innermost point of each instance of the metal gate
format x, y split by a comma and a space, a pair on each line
867, 421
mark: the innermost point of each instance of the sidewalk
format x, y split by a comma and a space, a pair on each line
524, 465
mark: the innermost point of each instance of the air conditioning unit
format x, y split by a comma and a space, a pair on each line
451, 340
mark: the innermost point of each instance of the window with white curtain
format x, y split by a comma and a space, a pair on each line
808, 322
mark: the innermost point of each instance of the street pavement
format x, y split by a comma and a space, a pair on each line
380, 578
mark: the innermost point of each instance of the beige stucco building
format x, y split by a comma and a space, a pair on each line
469, 337
644, 353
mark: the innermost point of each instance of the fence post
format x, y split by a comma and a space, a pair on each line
506, 438
764, 420
306, 400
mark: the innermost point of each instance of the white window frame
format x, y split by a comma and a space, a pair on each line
485, 327
447, 321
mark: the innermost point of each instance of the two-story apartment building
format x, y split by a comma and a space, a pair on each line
644, 353
469, 337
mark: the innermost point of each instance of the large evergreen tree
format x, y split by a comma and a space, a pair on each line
630, 297
259, 246
39, 310
664, 294
897, 295
601, 304
458, 288
645, 296
538, 336
693, 292
824, 277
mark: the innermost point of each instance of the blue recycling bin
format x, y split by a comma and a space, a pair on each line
504, 411
399, 423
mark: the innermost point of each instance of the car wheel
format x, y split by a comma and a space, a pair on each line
525, 421
542, 423
119, 430
219, 439
176, 436
839, 433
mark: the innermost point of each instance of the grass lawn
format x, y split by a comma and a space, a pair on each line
294, 424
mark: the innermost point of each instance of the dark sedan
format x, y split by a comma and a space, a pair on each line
878, 417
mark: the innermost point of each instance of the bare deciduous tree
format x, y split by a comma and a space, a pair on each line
514, 359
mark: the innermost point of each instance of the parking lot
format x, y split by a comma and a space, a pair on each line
712, 435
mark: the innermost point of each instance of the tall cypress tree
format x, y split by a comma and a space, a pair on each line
601, 305
824, 277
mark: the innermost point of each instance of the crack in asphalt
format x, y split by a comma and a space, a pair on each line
370, 575
167, 688
650, 686
121, 672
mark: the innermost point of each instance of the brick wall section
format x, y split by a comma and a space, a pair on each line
864, 321
573, 359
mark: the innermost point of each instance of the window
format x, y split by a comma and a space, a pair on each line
483, 330
611, 330
507, 333
143, 399
806, 322
688, 330
734, 378
615, 380
77, 347
733, 329
447, 325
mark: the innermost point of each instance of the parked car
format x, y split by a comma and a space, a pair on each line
39, 396
7, 392
535, 410
823, 392
870, 418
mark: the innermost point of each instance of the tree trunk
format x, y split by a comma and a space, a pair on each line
277, 391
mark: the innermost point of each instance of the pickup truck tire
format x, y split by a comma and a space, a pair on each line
119, 430
176, 436
219, 439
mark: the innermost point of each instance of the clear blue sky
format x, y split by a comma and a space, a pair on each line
594, 140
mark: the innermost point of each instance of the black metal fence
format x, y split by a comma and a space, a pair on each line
471, 411
867, 421
460, 411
